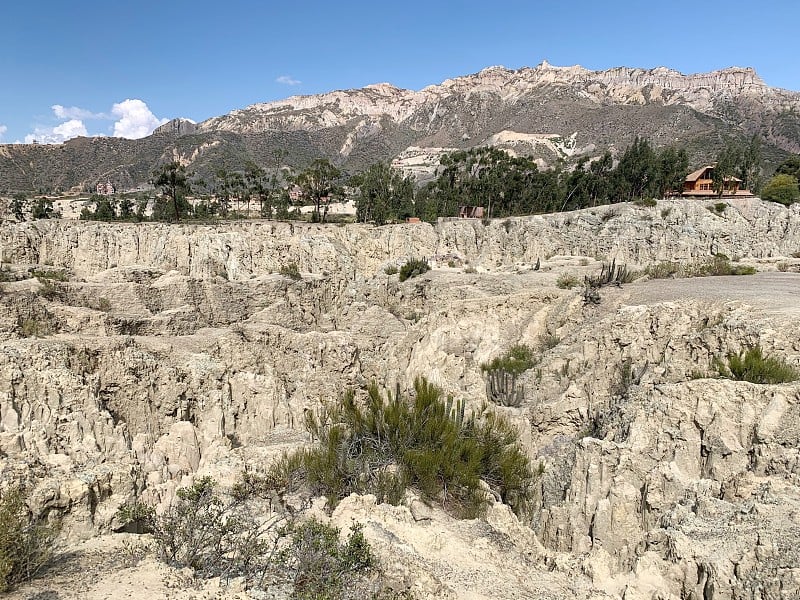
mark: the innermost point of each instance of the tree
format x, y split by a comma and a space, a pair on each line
726, 167
19, 204
383, 194
791, 166
781, 188
103, 209
636, 171
43, 209
672, 167
174, 184
320, 183
750, 164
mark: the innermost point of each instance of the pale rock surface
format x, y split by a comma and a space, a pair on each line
203, 360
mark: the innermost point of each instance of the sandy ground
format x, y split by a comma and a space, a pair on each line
770, 292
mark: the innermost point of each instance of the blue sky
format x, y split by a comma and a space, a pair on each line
120, 68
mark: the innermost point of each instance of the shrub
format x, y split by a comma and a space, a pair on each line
646, 202
548, 341
104, 304
213, 538
782, 266
566, 281
423, 442
6, 274
714, 266
50, 290
41, 274
717, 208
720, 265
33, 328
518, 359
413, 268
320, 566
665, 212
224, 538
26, 545
291, 271
391, 270
751, 365
662, 270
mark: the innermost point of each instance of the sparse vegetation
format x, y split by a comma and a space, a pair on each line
517, 360
502, 373
50, 275
612, 274
33, 327
567, 281
223, 536
717, 208
714, 266
753, 366
26, 544
391, 270
423, 442
413, 268
548, 341
291, 271
646, 202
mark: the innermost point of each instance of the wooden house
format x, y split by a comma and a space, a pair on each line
700, 183
470, 212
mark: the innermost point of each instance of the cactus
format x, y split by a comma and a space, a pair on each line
456, 411
502, 388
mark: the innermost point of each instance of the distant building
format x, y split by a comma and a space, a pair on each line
296, 193
700, 183
105, 189
470, 212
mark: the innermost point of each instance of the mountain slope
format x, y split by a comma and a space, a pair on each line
552, 113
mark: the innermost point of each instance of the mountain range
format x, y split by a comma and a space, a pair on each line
555, 114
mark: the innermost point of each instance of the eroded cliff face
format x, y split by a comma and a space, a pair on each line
678, 230
178, 351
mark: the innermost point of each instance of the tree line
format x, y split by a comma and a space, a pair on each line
503, 184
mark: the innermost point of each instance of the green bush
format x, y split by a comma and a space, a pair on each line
663, 270
391, 270
41, 274
318, 565
548, 341
25, 544
566, 281
208, 535
423, 442
291, 271
223, 538
518, 359
711, 267
413, 268
751, 365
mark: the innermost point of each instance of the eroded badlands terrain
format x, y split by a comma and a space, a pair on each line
172, 352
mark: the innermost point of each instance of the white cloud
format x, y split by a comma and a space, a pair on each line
288, 80
73, 112
134, 119
58, 134
3, 130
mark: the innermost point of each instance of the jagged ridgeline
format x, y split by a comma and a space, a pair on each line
553, 114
